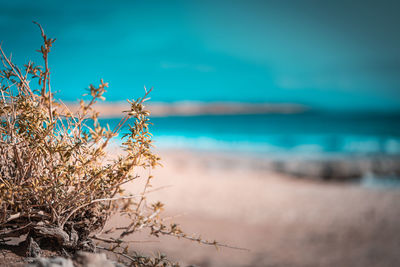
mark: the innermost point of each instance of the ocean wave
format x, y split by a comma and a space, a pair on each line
287, 145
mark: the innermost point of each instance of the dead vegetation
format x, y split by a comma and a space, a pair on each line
58, 186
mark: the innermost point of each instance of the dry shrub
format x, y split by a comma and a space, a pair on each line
57, 184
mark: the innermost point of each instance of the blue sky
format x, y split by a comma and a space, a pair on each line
327, 54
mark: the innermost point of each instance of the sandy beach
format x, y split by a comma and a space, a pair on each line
282, 220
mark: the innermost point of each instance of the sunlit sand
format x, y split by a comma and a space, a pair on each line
282, 220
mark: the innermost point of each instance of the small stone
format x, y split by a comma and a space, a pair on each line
93, 260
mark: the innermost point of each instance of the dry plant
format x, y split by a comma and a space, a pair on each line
57, 185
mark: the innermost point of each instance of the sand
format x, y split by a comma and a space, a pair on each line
282, 220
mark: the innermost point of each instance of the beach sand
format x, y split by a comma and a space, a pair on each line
282, 220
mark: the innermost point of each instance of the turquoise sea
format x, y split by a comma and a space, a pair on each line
307, 134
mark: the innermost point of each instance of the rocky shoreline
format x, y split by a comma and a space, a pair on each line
340, 169
326, 168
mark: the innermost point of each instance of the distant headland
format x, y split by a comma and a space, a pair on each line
193, 108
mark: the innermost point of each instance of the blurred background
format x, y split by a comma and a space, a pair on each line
278, 121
